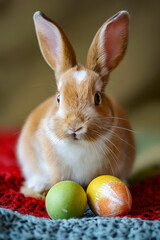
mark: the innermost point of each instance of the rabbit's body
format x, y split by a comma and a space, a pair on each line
79, 133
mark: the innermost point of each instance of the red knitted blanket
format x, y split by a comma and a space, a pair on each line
146, 194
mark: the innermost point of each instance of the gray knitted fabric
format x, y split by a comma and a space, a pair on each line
14, 225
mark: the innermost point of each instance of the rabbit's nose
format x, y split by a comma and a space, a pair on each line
72, 130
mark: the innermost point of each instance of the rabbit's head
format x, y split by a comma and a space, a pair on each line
82, 110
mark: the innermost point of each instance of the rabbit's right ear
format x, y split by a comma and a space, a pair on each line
55, 47
109, 44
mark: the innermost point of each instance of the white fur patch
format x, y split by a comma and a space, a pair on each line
60, 113
79, 76
39, 182
79, 160
59, 84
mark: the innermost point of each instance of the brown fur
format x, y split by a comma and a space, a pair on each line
76, 118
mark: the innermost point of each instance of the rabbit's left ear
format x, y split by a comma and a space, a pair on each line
109, 44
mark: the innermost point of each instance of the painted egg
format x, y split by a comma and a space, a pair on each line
66, 199
108, 196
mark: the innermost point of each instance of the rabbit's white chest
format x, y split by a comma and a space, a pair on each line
80, 160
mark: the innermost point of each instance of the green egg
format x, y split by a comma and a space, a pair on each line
66, 199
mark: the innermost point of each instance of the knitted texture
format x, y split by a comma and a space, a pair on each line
25, 227
146, 194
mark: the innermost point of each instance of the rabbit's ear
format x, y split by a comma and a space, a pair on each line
54, 45
109, 44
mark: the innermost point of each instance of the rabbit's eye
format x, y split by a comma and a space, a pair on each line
97, 99
58, 98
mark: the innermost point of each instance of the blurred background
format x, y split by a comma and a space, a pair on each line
26, 80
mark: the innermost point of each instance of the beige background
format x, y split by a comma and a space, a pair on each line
26, 80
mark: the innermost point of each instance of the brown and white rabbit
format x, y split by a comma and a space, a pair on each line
80, 132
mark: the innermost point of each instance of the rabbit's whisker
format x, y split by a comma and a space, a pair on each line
114, 156
104, 152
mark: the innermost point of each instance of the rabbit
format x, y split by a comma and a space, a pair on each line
80, 132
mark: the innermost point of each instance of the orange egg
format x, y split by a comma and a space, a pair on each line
108, 196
